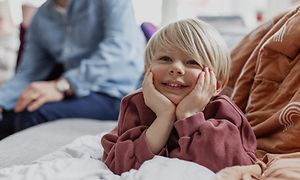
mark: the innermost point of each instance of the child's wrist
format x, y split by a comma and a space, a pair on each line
185, 115
166, 116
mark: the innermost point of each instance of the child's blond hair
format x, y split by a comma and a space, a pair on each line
196, 39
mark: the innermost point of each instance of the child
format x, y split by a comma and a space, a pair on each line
9, 43
179, 113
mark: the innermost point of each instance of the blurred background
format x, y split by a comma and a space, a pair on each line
230, 17
160, 12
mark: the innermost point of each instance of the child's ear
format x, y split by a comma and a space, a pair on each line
220, 87
145, 69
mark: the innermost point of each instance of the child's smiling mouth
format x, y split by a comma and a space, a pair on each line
174, 85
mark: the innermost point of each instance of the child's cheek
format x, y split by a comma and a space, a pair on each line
197, 76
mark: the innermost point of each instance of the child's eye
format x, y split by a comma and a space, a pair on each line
165, 58
193, 62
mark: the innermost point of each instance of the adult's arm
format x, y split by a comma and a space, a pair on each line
113, 69
118, 61
35, 65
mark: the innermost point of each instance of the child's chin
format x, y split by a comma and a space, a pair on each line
175, 101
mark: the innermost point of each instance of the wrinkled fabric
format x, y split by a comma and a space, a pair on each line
272, 167
80, 160
265, 80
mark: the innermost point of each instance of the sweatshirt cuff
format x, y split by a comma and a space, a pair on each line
189, 125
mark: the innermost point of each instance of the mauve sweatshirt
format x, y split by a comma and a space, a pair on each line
216, 138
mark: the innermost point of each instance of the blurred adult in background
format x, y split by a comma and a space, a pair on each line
9, 43
100, 47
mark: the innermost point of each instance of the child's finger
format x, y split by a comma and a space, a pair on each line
146, 77
213, 80
148, 85
207, 79
150, 78
200, 82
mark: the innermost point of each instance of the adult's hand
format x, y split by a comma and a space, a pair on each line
37, 94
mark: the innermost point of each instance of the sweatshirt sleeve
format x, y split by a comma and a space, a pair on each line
218, 137
125, 147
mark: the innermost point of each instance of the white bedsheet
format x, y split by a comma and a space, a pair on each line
81, 160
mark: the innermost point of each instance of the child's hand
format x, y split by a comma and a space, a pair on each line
159, 131
156, 101
198, 98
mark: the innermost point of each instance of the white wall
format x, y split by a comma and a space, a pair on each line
16, 8
275, 6
170, 10
161, 12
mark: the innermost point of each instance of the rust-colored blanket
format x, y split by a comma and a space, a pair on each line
265, 78
272, 167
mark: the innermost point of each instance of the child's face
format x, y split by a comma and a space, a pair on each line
174, 74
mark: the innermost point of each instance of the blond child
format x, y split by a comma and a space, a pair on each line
179, 113
9, 43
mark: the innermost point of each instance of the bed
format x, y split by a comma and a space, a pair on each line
71, 149
266, 57
24, 147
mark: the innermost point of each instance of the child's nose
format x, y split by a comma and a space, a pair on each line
176, 68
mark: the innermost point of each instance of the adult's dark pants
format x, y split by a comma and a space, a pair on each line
95, 106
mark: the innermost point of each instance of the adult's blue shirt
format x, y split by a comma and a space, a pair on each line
97, 41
